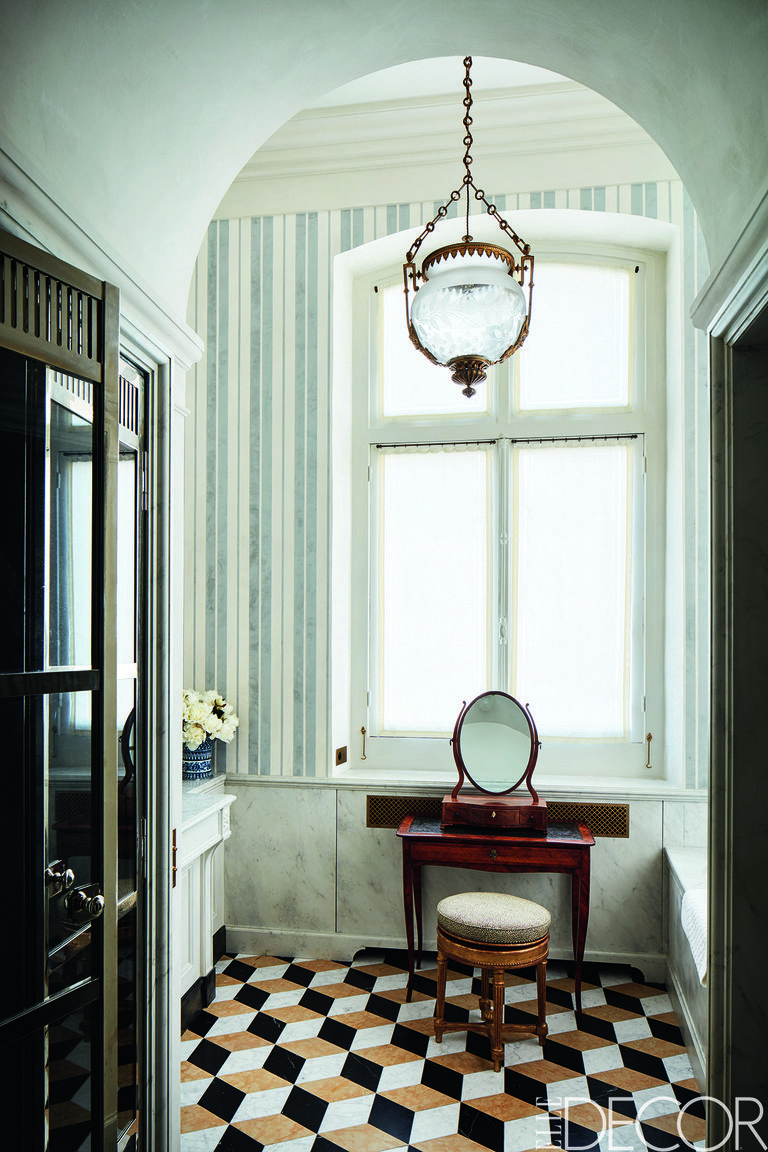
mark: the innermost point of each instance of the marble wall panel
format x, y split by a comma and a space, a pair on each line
370, 873
685, 823
280, 862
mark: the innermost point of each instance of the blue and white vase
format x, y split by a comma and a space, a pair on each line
196, 763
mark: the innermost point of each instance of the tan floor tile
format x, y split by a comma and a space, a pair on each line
293, 1013
380, 970
320, 965
335, 1088
340, 991
425, 1026
666, 1017
188, 1035
546, 1071
638, 990
418, 1097
464, 1062
693, 1128
582, 1041
595, 1118
359, 1020
610, 1013
504, 1107
629, 1080
193, 1118
363, 1138
655, 1047
192, 1072
312, 1048
399, 994
272, 987
229, 1008
568, 984
223, 981
261, 961
272, 1129
254, 1080
690, 1084
450, 1144
239, 1041
387, 1054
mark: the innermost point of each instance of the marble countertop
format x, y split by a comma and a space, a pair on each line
689, 866
201, 797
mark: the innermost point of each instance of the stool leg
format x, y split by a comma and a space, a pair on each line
485, 999
541, 996
439, 1021
497, 1021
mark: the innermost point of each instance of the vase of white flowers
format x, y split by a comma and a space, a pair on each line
206, 717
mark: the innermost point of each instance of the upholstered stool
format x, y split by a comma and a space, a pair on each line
495, 933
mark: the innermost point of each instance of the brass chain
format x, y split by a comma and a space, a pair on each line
466, 184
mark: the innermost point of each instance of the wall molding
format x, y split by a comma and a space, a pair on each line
737, 291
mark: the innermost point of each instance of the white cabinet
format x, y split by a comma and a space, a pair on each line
200, 864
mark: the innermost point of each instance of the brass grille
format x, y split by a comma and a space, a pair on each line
601, 819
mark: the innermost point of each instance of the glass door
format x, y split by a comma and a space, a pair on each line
69, 1031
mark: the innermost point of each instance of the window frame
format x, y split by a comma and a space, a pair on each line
646, 417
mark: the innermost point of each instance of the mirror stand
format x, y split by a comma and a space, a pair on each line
494, 736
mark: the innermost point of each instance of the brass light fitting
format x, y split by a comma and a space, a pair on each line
471, 305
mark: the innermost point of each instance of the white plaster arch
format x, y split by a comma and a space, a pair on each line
135, 118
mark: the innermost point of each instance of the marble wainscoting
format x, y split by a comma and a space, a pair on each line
304, 876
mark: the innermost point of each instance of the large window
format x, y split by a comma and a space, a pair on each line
514, 541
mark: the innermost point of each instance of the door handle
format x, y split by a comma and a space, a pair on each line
84, 904
58, 879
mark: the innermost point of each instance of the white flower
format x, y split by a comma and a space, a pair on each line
206, 715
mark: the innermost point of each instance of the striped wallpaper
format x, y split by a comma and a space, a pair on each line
257, 530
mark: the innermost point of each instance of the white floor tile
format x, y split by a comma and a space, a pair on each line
226, 1025
526, 1132
627, 1030
345, 1004
192, 1090
302, 1144
269, 1103
678, 1068
655, 1005
205, 1140
347, 1113
403, 1075
602, 1059
322, 1067
372, 1037
566, 1093
301, 1029
561, 1022
655, 1102
245, 1060
479, 1084
431, 1123
592, 997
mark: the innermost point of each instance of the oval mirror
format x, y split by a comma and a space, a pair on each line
494, 742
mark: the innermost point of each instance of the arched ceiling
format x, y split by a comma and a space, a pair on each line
137, 117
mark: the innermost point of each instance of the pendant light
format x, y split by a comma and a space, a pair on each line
471, 300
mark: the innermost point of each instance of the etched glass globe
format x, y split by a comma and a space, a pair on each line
469, 307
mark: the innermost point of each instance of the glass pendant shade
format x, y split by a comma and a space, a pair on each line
468, 309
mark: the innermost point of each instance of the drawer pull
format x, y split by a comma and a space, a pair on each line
493, 853
493, 814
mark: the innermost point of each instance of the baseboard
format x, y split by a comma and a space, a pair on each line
695, 1044
196, 998
219, 943
340, 946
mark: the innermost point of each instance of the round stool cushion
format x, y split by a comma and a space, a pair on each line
493, 918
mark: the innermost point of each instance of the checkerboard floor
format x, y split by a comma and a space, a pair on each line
294, 1055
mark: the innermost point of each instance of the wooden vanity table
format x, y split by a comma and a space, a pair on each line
562, 848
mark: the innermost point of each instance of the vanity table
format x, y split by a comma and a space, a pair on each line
562, 848
493, 827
